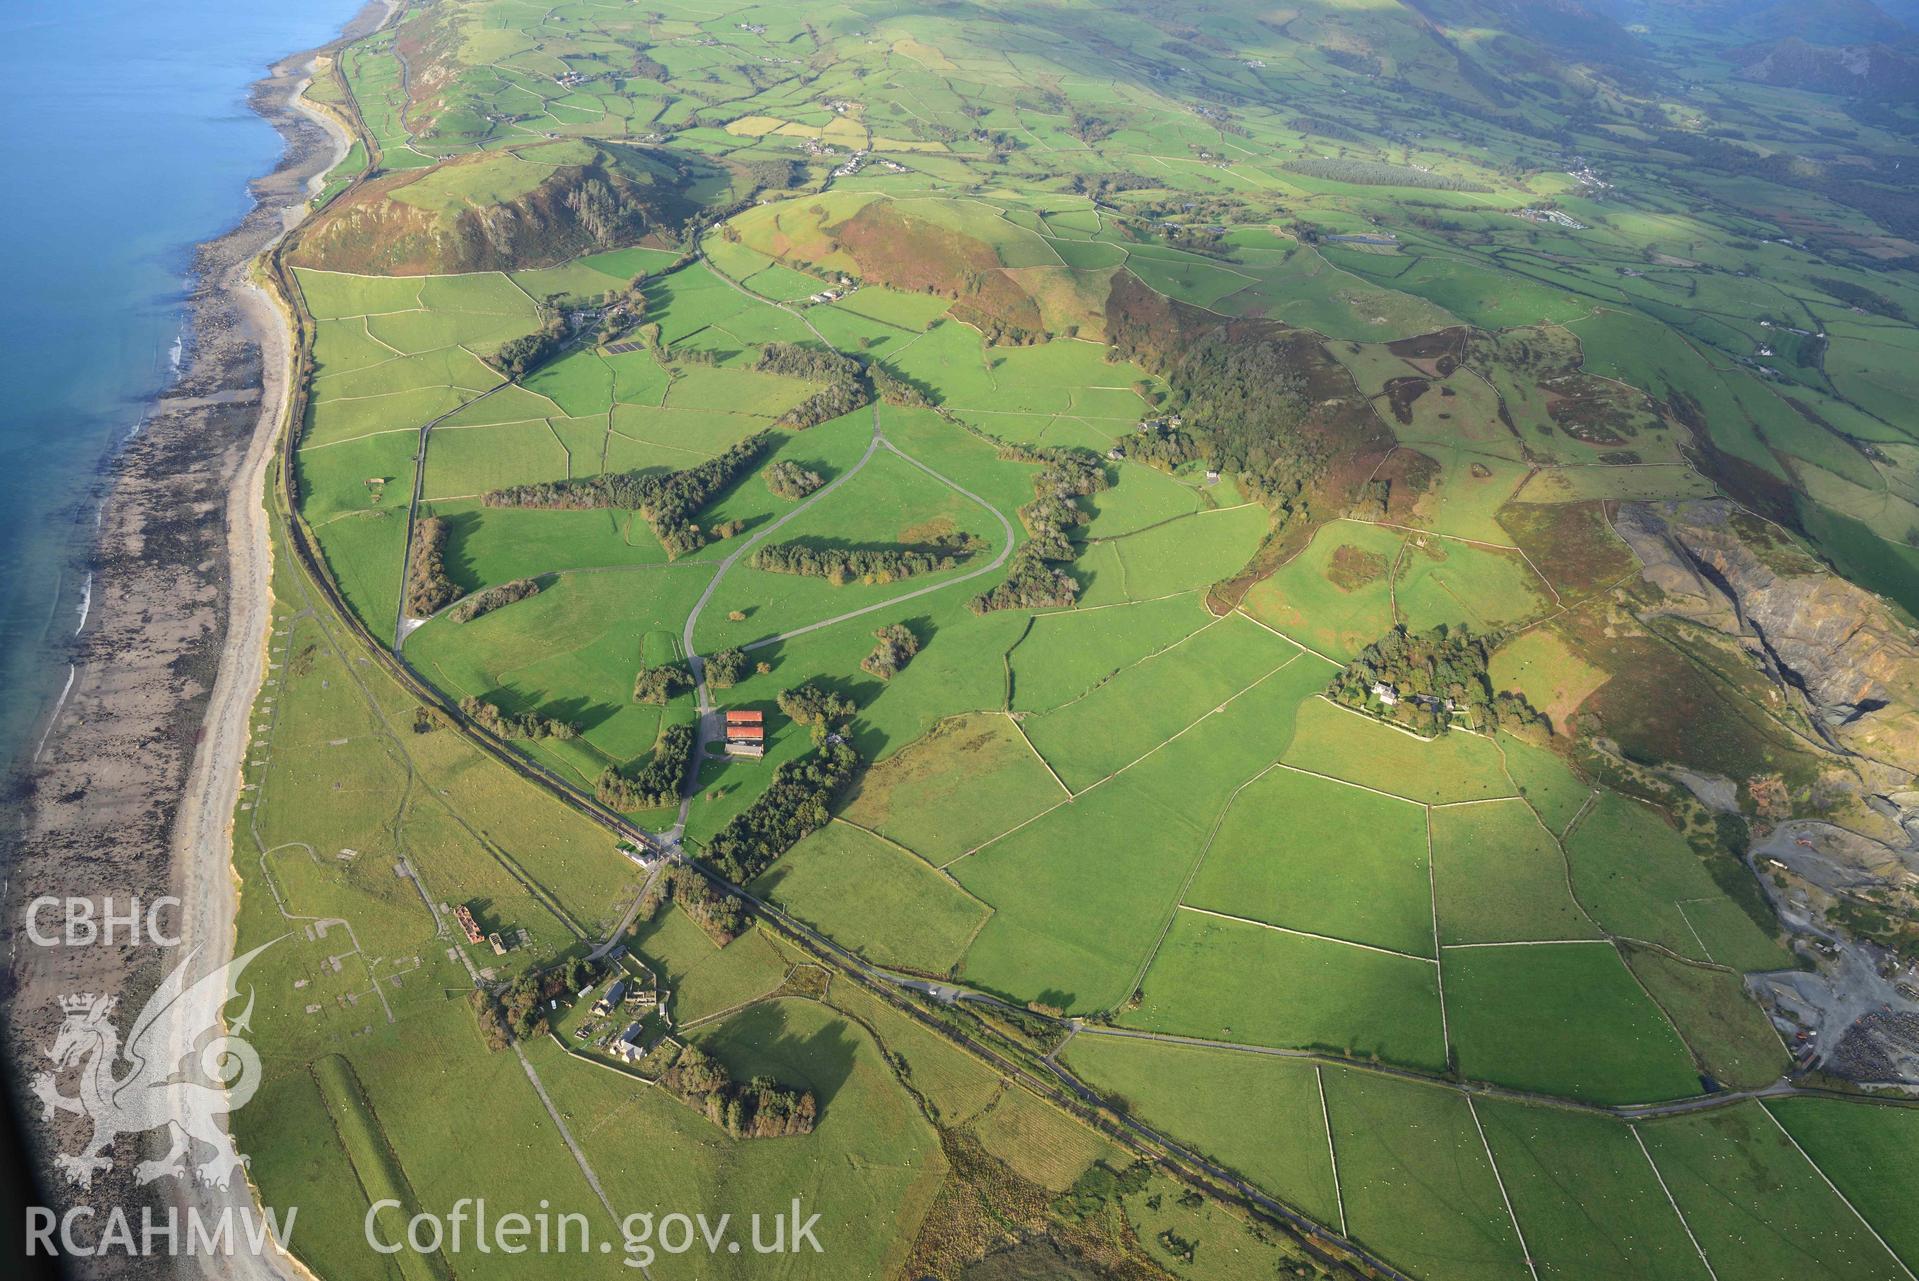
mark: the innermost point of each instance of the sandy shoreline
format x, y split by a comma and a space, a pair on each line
133, 789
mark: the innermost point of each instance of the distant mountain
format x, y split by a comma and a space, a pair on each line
1570, 25
1827, 22
1586, 30
1905, 12
1876, 71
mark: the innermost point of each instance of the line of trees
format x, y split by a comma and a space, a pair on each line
841, 563
518, 357
814, 364
1380, 173
787, 479
428, 589
1069, 475
846, 385
1035, 578
485, 602
897, 390
666, 501
516, 724
657, 784
797, 803
1031, 582
760, 1109
895, 650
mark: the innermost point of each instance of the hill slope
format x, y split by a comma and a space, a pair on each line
501, 210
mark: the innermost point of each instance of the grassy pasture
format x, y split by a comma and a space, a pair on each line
294, 1142
877, 898
1177, 556
1589, 1203
1335, 596
1545, 781
962, 784
1562, 1018
1039, 1141
1440, 581
652, 1152
1144, 705
491, 545
706, 979
572, 652
890, 502
1473, 485
1346, 745
956, 1086
1500, 877
408, 1090
1203, 1096
375, 1167
1064, 655
1554, 678
1141, 497
365, 555
1724, 1027
1870, 1153
1416, 1181
1641, 880
1232, 981
1314, 855
1080, 893
1724, 1164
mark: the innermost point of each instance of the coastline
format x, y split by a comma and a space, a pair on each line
134, 778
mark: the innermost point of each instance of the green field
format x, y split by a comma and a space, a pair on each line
1868, 1155
950, 792
1308, 854
1589, 1202
1722, 1166
855, 885
1499, 877
1345, 745
1309, 993
1280, 1145
1562, 1018
1640, 880
1416, 1181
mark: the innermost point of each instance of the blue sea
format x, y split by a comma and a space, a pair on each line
128, 141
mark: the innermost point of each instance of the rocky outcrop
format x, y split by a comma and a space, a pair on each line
479, 213
1836, 644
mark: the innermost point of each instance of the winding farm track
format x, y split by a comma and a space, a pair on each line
708, 729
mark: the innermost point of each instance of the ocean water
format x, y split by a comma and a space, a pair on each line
127, 142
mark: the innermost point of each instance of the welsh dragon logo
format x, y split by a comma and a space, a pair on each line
180, 1072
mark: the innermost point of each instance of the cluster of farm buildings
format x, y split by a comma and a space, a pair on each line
746, 734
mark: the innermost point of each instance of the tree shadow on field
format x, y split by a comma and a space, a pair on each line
580, 712
1057, 999
761, 1041
460, 526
